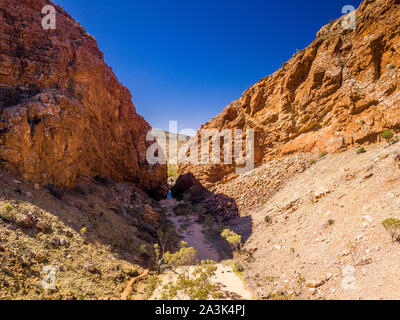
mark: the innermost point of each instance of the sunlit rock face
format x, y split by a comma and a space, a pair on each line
63, 112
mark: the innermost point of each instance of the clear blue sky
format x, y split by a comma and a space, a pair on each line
187, 60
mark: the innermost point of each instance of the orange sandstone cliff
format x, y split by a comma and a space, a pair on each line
63, 112
342, 90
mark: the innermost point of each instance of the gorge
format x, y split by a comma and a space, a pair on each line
315, 215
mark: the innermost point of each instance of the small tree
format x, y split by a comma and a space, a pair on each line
234, 239
167, 236
186, 256
393, 227
268, 219
387, 135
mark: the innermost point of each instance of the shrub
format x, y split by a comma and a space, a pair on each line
392, 66
6, 214
10, 97
167, 234
146, 249
186, 256
152, 282
387, 135
392, 226
234, 239
237, 267
267, 219
8, 207
194, 285
331, 222
323, 154
361, 150
313, 161
278, 296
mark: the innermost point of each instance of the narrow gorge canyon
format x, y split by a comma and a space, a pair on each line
309, 221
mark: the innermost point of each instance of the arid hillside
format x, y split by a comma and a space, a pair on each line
90, 238
63, 112
342, 90
320, 234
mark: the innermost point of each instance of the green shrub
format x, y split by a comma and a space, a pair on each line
392, 226
6, 213
331, 222
387, 135
152, 282
237, 267
194, 285
323, 154
10, 97
313, 161
361, 150
186, 256
146, 250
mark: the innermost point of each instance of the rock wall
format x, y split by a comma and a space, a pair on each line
341, 90
63, 112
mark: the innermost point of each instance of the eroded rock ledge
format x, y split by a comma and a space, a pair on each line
63, 112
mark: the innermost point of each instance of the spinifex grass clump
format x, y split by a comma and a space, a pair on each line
10, 96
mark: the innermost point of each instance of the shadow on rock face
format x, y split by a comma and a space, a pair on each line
219, 205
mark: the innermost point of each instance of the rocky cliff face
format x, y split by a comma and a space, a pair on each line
342, 90
63, 112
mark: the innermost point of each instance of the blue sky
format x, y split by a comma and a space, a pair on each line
187, 60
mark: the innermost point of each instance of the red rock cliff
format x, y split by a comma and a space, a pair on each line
63, 112
341, 90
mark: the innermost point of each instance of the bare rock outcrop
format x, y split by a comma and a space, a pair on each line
342, 90
63, 112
